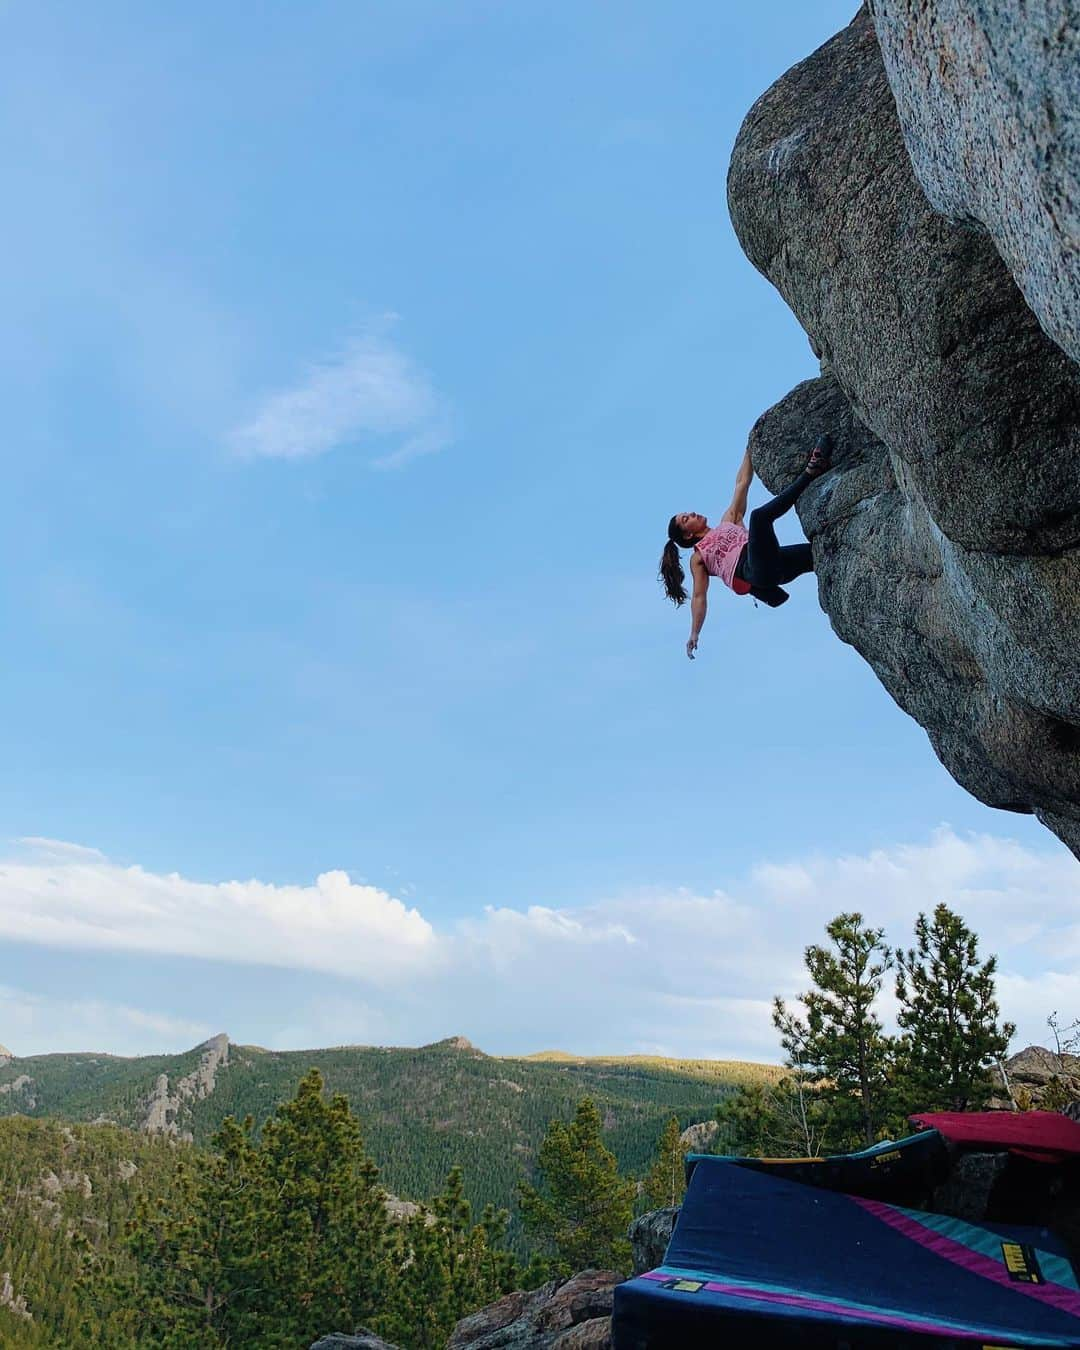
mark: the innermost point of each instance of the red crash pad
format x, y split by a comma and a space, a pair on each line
1042, 1135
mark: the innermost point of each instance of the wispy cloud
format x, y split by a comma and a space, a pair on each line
371, 394
691, 973
32, 1021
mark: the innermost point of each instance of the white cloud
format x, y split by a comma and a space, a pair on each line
370, 393
694, 973
90, 902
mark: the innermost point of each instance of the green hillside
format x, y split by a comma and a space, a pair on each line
65, 1194
423, 1109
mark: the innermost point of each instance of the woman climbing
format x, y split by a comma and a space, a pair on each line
750, 561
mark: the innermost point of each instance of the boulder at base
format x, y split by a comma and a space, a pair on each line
572, 1314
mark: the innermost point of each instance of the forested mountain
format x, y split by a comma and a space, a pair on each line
66, 1191
422, 1110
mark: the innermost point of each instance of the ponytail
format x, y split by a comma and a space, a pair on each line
672, 575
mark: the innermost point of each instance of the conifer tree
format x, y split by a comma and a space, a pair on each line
582, 1207
421, 1311
744, 1120
665, 1182
195, 1257
948, 1016
785, 1119
448, 1267
322, 1224
841, 1045
266, 1244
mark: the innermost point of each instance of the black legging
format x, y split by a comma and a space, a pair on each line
765, 563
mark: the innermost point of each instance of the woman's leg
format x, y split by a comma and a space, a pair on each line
764, 556
767, 564
795, 561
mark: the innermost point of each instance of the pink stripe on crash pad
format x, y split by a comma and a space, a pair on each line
1054, 1295
862, 1313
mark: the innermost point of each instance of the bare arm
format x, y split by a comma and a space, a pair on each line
743, 479
698, 602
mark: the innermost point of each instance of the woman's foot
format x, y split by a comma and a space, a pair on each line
820, 457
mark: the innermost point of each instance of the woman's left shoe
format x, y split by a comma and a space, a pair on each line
820, 457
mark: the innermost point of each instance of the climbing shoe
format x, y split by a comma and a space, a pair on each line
820, 457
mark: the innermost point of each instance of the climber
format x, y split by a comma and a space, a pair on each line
750, 561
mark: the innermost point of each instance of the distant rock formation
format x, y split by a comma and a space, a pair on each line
947, 539
163, 1107
13, 1302
1032, 1071
454, 1043
22, 1086
700, 1138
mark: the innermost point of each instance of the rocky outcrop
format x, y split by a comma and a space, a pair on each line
163, 1107
572, 1314
649, 1237
988, 105
947, 540
1035, 1074
13, 1302
700, 1138
966, 1192
23, 1086
400, 1210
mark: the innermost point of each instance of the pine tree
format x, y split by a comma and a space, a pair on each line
841, 1045
743, 1118
948, 1016
583, 1207
665, 1183
266, 1244
448, 1267
421, 1311
786, 1119
322, 1225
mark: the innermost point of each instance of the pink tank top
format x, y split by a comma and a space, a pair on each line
720, 550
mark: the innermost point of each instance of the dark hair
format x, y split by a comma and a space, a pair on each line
672, 575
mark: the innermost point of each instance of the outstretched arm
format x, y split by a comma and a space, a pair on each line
698, 603
743, 479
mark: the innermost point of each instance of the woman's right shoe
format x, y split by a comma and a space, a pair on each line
820, 457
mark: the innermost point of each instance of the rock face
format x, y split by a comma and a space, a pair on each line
1035, 1070
163, 1107
947, 540
989, 103
966, 1192
649, 1237
22, 1084
572, 1314
700, 1138
15, 1303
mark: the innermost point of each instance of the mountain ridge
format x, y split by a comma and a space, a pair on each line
423, 1109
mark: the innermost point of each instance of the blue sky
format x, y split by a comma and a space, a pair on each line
356, 357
